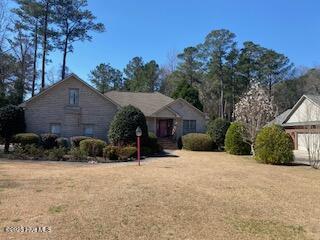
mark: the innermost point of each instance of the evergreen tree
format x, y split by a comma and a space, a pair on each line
29, 14
74, 22
189, 66
141, 77
105, 78
217, 46
186, 91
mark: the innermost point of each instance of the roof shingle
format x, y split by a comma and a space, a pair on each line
148, 103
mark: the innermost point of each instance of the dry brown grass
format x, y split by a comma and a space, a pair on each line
195, 196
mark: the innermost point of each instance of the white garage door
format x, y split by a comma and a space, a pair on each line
311, 140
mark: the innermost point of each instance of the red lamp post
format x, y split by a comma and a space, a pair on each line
138, 134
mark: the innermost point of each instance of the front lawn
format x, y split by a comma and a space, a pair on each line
199, 195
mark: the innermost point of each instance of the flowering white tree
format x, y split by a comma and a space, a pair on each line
254, 110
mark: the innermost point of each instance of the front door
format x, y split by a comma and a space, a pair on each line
163, 128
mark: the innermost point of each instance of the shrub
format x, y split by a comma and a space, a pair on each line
119, 153
217, 130
56, 154
126, 152
11, 122
274, 146
123, 127
27, 139
110, 152
153, 144
48, 140
152, 135
63, 142
29, 152
234, 143
92, 147
75, 141
77, 155
146, 151
179, 143
197, 142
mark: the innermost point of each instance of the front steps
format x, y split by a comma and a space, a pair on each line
167, 143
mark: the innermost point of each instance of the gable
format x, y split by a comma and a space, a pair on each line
306, 111
71, 81
185, 109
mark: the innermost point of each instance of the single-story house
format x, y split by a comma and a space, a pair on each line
302, 122
71, 107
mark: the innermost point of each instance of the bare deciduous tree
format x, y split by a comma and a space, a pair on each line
254, 110
4, 24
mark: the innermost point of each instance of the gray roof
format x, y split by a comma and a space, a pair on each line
280, 118
148, 103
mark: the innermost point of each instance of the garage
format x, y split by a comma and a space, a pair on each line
308, 139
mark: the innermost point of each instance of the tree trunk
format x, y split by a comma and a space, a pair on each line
252, 149
270, 90
34, 77
44, 50
65, 50
221, 99
20, 89
6, 145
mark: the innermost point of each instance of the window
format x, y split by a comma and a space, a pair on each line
88, 130
55, 128
74, 96
189, 126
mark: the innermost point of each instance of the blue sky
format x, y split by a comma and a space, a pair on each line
152, 29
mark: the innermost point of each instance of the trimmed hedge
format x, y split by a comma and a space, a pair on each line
48, 140
92, 147
123, 127
27, 139
119, 153
110, 152
126, 152
274, 146
197, 142
234, 142
56, 154
77, 155
63, 142
75, 140
217, 130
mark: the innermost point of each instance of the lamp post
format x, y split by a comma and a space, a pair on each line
138, 134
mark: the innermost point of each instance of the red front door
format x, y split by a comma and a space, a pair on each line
163, 128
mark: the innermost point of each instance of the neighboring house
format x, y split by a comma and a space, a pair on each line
302, 122
71, 107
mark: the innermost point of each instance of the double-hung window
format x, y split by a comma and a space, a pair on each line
74, 96
55, 128
189, 126
88, 130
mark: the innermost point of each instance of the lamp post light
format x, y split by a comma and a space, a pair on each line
138, 134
